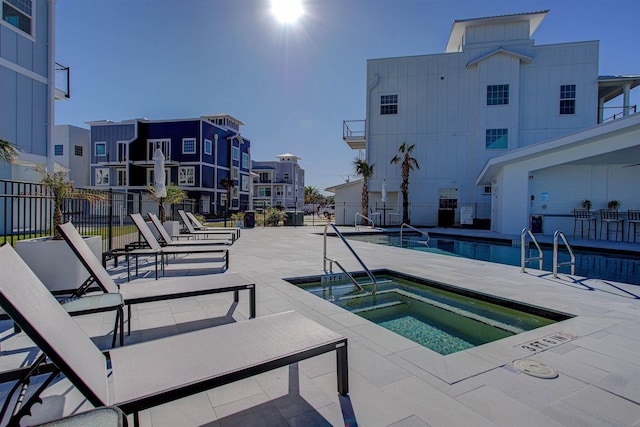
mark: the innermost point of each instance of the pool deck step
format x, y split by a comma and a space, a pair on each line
377, 307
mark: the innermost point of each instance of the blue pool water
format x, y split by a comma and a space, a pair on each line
606, 266
442, 318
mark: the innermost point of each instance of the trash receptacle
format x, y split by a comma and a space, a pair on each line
536, 223
446, 217
295, 218
249, 219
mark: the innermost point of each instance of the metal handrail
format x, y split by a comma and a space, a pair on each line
331, 261
572, 263
424, 233
355, 220
523, 259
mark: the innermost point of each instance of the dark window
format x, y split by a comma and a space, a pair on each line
389, 104
18, 13
568, 99
497, 139
497, 94
58, 150
78, 150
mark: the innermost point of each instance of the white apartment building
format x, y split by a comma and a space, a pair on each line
475, 114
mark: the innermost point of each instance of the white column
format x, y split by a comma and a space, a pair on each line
627, 99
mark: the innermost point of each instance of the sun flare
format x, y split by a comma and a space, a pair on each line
286, 10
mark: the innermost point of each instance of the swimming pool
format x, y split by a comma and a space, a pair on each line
443, 318
606, 266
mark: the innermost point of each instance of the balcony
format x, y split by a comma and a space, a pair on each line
62, 82
354, 134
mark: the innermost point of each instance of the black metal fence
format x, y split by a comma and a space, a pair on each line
26, 211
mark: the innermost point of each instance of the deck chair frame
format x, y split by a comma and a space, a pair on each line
197, 233
166, 240
155, 372
199, 226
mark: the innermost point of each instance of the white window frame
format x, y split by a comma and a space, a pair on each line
245, 183
187, 175
121, 173
104, 149
164, 143
31, 17
186, 141
245, 160
235, 173
101, 176
207, 143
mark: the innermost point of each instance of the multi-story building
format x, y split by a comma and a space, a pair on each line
199, 155
278, 183
71, 149
30, 82
492, 93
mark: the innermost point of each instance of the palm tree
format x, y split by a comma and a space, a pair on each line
408, 164
174, 195
7, 151
365, 170
228, 184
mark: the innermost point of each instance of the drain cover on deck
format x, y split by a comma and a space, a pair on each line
535, 368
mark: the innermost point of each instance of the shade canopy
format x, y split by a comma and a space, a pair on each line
384, 190
159, 177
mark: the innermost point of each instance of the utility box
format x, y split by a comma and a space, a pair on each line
295, 218
536, 224
446, 217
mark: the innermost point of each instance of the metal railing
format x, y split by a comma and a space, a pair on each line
353, 252
353, 129
424, 233
556, 264
523, 248
355, 220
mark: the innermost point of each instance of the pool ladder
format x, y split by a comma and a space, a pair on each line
333, 261
540, 258
424, 233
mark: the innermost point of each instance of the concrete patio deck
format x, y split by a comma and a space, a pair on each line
393, 381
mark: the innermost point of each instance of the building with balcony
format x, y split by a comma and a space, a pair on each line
199, 154
278, 183
485, 113
30, 82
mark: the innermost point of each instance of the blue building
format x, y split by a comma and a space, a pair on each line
200, 153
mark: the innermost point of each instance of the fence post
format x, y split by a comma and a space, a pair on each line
110, 219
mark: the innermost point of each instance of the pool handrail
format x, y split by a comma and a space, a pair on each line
424, 233
331, 261
556, 264
523, 259
355, 220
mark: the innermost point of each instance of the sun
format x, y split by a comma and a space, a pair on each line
286, 10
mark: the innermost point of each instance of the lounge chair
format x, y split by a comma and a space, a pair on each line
147, 291
191, 231
199, 226
152, 373
166, 240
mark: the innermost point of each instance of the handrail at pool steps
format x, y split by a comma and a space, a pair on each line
355, 220
523, 249
332, 261
424, 233
572, 263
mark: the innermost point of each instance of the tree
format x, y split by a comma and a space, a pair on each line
365, 170
61, 188
312, 195
7, 151
408, 164
227, 184
174, 195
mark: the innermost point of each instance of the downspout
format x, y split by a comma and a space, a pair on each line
51, 81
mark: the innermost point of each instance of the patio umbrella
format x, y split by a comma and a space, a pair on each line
384, 190
159, 180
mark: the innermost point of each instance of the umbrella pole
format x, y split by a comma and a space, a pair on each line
161, 210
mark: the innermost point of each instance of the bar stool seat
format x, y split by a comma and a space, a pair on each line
633, 219
610, 216
581, 216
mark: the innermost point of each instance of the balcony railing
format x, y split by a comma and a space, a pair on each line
619, 112
354, 133
62, 82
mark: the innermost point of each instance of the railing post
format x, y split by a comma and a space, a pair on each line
110, 232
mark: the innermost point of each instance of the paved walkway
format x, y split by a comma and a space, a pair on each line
393, 381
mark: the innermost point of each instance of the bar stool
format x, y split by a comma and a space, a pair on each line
610, 216
582, 215
633, 218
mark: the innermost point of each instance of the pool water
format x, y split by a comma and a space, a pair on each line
592, 264
442, 318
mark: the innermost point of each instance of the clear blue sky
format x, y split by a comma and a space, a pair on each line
292, 85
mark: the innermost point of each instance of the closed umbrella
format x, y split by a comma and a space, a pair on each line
159, 179
384, 190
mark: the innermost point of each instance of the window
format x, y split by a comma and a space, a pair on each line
389, 104
151, 176
486, 189
122, 151
568, 99
285, 176
164, 144
78, 150
101, 149
497, 94
245, 160
188, 146
264, 192
497, 139
448, 198
122, 177
102, 176
187, 175
58, 150
236, 153
235, 174
279, 191
245, 182
207, 146
264, 177
18, 13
